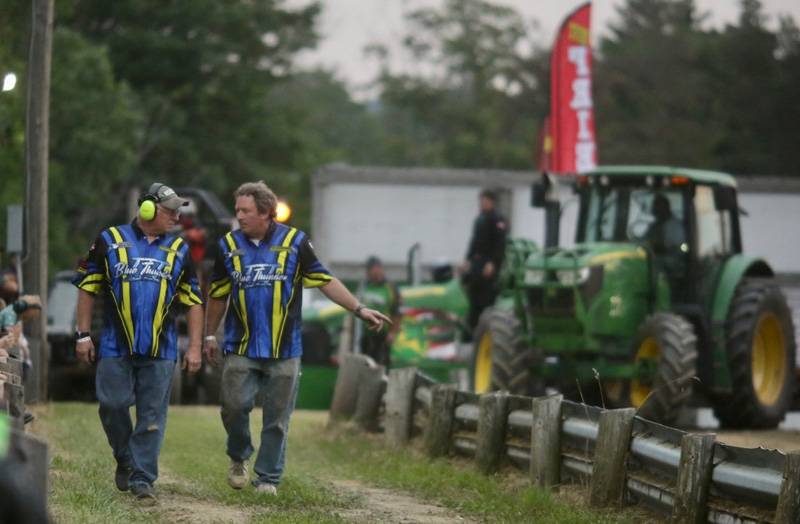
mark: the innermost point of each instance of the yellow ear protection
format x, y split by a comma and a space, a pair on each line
147, 203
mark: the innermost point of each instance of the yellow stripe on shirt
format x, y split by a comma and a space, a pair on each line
220, 288
242, 309
125, 308
278, 311
161, 311
91, 283
187, 296
311, 280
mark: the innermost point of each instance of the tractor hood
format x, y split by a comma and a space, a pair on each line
570, 266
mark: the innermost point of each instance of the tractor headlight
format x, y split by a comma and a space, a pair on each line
534, 276
572, 277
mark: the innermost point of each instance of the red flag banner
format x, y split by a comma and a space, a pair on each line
571, 108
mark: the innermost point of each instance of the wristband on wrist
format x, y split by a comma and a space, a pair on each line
358, 309
80, 336
211, 337
83, 339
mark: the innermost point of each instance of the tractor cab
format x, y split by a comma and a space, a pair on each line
685, 220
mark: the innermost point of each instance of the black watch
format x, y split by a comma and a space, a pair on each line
82, 334
357, 310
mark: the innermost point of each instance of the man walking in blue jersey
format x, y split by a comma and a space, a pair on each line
261, 269
145, 271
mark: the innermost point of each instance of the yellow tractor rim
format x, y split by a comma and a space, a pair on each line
483, 364
648, 349
769, 359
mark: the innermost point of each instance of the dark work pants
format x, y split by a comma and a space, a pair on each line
481, 293
375, 347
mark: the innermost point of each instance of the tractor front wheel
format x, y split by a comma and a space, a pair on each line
500, 361
761, 358
665, 350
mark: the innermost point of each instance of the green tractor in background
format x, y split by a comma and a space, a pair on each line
430, 336
655, 305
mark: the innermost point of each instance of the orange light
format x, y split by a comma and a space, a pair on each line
282, 211
679, 180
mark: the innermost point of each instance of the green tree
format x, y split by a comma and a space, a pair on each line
466, 113
203, 70
652, 101
94, 128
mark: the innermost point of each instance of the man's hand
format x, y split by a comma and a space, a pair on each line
374, 319
192, 360
84, 349
488, 270
211, 350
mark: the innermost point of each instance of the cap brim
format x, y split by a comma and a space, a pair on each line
174, 203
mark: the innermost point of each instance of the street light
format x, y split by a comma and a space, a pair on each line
9, 81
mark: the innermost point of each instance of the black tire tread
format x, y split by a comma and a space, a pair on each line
511, 360
742, 409
677, 366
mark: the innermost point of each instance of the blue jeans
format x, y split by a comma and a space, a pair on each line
242, 377
143, 382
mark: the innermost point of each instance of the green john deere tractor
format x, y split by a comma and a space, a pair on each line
655, 305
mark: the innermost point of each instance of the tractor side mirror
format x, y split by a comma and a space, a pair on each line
539, 194
724, 198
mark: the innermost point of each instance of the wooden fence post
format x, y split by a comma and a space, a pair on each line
610, 453
694, 477
345, 394
371, 386
15, 400
399, 405
442, 416
11, 366
491, 439
788, 511
545, 458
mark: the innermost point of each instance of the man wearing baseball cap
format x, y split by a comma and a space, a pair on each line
146, 272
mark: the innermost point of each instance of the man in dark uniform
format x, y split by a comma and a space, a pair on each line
381, 295
484, 256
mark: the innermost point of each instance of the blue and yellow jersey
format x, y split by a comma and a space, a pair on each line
264, 281
143, 281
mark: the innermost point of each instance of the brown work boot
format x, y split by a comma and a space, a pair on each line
237, 474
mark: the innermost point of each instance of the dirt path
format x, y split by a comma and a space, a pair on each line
180, 508
382, 505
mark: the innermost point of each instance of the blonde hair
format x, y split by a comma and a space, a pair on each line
264, 197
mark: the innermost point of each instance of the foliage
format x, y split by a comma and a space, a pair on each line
669, 92
466, 112
208, 93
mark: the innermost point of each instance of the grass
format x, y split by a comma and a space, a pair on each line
192, 486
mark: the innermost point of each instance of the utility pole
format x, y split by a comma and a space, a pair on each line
36, 160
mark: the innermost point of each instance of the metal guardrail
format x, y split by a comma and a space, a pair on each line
744, 485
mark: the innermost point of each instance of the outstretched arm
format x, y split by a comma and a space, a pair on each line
336, 291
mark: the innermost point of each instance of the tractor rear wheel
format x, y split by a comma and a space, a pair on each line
500, 360
761, 357
668, 345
